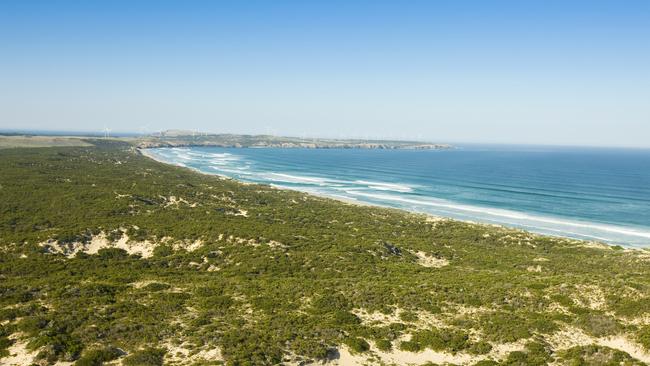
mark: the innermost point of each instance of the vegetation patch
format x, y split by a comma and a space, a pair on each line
288, 280
597, 355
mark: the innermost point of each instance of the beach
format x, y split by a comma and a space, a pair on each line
445, 184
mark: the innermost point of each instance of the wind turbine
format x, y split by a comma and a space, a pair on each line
107, 132
143, 129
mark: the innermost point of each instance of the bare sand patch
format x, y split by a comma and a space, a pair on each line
176, 201
625, 345
100, 241
427, 260
239, 212
570, 337
141, 284
435, 219
536, 268
501, 351
398, 357
19, 355
182, 355
276, 245
187, 245
376, 317
590, 296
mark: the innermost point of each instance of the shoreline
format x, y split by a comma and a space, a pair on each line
350, 201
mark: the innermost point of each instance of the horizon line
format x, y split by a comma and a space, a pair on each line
118, 134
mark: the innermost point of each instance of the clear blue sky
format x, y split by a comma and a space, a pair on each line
551, 72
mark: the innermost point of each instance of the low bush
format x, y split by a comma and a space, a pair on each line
145, 357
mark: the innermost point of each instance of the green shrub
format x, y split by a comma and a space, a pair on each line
145, 357
331, 302
630, 308
410, 346
156, 286
597, 355
112, 253
536, 354
310, 348
5, 343
598, 324
357, 345
408, 316
504, 327
162, 251
644, 337
480, 348
437, 340
345, 318
114, 235
384, 345
487, 363
97, 357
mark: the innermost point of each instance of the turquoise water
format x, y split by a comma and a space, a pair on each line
592, 194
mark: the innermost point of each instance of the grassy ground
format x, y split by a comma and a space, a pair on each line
14, 141
106, 254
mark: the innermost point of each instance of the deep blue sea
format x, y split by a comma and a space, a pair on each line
583, 193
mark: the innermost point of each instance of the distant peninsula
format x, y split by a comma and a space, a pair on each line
178, 138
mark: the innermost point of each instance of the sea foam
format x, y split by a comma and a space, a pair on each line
443, 193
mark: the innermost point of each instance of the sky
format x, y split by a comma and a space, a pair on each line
556, 72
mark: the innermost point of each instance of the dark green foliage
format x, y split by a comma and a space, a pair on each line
510, 326
480, 348
163, 251
249, 347
384, 345
345, 318
643, 337
97, 357
630, 307
145, 357
331, 303
156, 286
357, 345
408, 316
112, 253
437, 340
310, 348
5, 342
487, 363
597, 356
535, 354
505, 327
598, 324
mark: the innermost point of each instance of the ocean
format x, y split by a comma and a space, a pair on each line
582, 193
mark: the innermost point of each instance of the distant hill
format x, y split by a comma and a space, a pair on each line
174, 138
